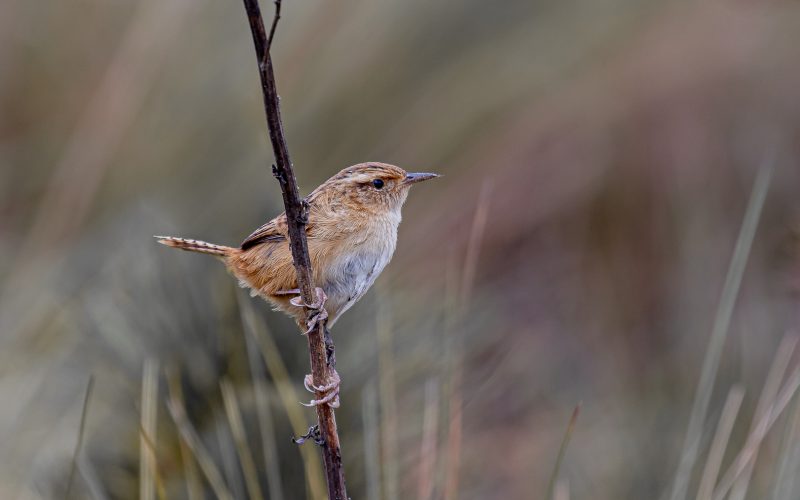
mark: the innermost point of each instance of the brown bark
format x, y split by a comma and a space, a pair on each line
296, 215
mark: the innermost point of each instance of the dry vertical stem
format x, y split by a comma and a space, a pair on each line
428, 447
771, 414
296, 218
266, 426
785, 477
256, 327
369, 412
771, 387
192, 440
147, 432
194, 487
388, 400
561, 491
194, 490
554, 480
720, 443
719, 331
453, 461
240, 437
81, 429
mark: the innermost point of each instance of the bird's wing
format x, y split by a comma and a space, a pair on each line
318, 219
274, 230
278, 230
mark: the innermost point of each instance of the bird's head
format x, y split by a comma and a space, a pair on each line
374, 187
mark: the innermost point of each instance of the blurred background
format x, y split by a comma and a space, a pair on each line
598, 157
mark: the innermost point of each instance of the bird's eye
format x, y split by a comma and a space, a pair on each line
378, 183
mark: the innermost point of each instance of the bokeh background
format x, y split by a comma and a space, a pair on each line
598, 157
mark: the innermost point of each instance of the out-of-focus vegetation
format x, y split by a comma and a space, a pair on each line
617, 143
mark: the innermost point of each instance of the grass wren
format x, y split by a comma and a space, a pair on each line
351, 231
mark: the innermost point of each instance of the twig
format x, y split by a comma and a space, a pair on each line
274, 26
296, 218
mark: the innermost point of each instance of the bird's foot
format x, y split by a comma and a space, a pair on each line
297, 301
318, 313
312, 434
328, 393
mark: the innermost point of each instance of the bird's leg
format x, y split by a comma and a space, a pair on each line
328, 393
330, 352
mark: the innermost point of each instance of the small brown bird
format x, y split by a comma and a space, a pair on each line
351, 231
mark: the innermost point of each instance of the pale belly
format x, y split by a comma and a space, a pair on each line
351, 277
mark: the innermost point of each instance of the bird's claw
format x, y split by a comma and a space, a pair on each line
319, 314
329, 392
313, 434
298, 300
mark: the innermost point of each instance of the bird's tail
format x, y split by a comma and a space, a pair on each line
195, 246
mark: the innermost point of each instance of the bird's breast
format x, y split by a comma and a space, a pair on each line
353, 273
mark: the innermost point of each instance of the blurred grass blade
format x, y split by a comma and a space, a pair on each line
266, 425
81, 430
369, 415
240, 438
159, 484
148, 430
455, 400
429, 444
193, 442
388, 395
474, 245
771, 386
719, 332
227, 453
789, 462
194, 487
561, 490
449, 341
755, 438
92, 479
720, 442
562, 450
289, 397
97, 136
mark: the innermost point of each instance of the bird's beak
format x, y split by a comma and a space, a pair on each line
413, 178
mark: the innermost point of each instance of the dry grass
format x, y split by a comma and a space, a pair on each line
622, 139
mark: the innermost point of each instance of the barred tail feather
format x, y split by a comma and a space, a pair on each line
195, 246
